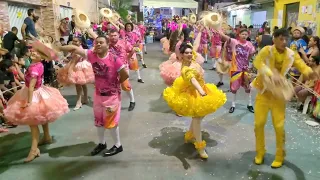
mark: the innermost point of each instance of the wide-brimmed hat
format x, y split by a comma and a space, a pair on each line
299, 29
212, 20
45, 50
223, 67
192, 18
116, 16
106, 12
82, 20
184, 18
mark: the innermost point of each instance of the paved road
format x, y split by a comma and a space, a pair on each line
152, 138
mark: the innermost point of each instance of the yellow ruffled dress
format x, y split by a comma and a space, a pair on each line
183, 98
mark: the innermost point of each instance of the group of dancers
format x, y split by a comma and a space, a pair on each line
188, 95
107, 65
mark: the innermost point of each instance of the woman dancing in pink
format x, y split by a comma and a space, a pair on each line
79, 72
36, 104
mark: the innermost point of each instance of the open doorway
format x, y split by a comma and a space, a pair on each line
292, 13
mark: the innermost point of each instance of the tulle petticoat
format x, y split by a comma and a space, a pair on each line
185, 100
81, 73
165, 45
170, 72
200, 59
47, 106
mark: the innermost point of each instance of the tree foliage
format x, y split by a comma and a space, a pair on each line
122, 7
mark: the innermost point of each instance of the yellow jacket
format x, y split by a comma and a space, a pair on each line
265, 61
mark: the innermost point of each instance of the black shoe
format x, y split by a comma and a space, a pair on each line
205, 61
113, 151
220, 84
300, 108
98, 149
140, 81
131, 106
231, 110
144, 65
145, 52
213, 69
250, 108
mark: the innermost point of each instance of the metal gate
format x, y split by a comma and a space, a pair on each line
65, 12
17, 14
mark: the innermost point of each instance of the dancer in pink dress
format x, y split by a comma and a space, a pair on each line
109, 73
79, 72
36, 104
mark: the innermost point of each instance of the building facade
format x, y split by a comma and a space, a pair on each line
305, 13
13, 12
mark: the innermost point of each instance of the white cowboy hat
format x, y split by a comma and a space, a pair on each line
82, 20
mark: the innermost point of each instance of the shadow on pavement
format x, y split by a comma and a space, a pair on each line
171, 143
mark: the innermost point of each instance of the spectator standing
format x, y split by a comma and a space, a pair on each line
28, 26
72, 24
65, 29
265, 39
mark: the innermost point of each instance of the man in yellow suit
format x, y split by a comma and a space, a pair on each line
270, 59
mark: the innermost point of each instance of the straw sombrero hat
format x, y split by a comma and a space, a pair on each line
45, 50
223, 67
213, 20
3, 51
184, 18
192, 18
82, 20
116, 17
299, 29
106, 12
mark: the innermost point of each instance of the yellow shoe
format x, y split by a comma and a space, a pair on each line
278, 162
259, 158
188, 137
200, 146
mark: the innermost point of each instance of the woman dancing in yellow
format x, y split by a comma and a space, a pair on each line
190, 96
274, 61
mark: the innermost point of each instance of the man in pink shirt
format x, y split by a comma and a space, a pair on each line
124, 51
109, 72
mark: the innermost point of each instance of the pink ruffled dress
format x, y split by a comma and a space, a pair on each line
170, 70
47, 102
78, 71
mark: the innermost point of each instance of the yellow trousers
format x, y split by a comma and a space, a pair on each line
264, 103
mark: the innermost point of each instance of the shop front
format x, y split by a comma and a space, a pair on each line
156, 11
305, 13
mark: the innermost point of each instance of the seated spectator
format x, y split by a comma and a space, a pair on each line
62, 42
7, 80
313, 49
301, 92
